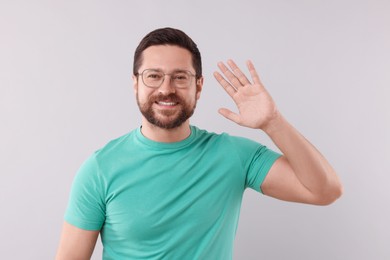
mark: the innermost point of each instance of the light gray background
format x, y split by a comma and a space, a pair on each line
65, 90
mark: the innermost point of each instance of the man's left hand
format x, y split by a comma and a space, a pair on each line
256, 107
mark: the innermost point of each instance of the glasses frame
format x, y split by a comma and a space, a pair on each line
165, 74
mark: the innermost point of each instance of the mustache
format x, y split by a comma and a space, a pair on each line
161, 97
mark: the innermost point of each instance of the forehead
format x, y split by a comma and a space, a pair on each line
167, 58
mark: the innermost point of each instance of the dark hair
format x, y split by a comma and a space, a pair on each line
168, 36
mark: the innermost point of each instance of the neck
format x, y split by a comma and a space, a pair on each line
158, 134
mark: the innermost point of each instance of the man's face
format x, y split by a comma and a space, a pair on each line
167, 106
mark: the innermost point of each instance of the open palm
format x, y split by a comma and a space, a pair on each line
256, 109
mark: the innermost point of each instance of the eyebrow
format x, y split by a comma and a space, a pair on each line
173, 71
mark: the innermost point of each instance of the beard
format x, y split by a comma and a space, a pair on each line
172, 119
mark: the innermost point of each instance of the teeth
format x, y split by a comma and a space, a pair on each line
166, 103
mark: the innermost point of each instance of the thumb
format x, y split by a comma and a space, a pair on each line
229, 115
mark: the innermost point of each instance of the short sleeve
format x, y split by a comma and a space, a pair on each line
256, 160
259, 166
86, 206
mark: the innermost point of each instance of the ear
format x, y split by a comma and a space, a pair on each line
199, 87
135, 84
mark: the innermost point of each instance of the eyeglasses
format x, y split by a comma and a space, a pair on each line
154, 78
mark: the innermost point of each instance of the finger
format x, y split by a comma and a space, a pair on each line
253, 72
231, 90
230, 115
229, 75
239, 74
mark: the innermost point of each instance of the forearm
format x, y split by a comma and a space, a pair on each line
309, 165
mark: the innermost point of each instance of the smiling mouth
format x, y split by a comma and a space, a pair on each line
166, 103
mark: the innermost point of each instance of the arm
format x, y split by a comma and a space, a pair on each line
76, 243
302, 174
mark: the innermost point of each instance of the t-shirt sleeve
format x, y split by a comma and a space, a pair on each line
86, 206
259, 166
257, 161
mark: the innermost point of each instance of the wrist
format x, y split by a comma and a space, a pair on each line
276, 124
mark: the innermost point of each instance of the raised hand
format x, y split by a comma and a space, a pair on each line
256, 109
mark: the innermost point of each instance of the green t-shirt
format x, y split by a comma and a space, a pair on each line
177, 200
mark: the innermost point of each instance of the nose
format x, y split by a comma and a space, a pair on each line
167, 86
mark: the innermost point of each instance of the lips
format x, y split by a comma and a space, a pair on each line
166, 103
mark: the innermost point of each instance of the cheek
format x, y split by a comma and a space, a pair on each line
189, 97
142, 94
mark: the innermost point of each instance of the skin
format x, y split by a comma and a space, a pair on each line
302, 174
168, 59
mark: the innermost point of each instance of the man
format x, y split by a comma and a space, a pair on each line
169, 190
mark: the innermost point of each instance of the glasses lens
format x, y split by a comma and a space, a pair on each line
152, 78
182, 79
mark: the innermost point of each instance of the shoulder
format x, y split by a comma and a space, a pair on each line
115, 146
202, 133
227, 142
105, 157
